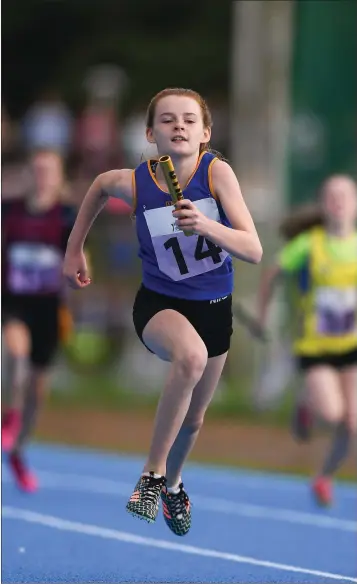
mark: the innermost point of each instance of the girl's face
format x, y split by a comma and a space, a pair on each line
339, 200
47, 171
178, 128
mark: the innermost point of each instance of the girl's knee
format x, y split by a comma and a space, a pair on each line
332, 417
351, 422
17, 339
329, 407
191, 363
192, 424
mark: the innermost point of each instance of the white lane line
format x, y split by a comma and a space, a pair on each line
124, 536
200, 472
90, 484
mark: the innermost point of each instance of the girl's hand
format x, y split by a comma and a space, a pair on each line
189, 218
75, 270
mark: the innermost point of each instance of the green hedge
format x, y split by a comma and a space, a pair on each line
100, 392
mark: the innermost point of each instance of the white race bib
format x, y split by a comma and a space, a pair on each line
34, 268
177, 255
336, 311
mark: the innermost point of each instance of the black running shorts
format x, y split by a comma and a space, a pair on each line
212, 319
335, 360
40, 315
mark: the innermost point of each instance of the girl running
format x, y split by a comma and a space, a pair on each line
321, 261
35, 230
183, 309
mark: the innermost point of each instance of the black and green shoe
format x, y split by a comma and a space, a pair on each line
177, 510
144, 502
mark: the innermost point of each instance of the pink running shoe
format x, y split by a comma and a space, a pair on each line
24, 478
10, 429
322, 491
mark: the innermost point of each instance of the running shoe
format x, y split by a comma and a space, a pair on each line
322, 491
177, 510
144, 502
24, 478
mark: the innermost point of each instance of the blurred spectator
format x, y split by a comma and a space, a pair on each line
97, 139
98, 129
15, 173
136, 147
48, 124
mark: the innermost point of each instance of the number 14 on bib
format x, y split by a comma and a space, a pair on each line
178, 256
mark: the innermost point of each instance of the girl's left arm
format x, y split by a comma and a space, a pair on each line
242, 240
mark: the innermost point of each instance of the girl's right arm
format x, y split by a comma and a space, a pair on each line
265, 292
116, 183
290, 259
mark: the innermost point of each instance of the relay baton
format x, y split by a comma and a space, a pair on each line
172, 183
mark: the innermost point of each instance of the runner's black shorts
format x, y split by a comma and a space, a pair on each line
336, 360
41, 315
212, 319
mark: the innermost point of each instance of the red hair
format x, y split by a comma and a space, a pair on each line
308, 215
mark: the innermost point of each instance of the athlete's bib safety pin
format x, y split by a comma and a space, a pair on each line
172, 182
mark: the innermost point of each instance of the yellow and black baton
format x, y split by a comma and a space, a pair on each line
172, 183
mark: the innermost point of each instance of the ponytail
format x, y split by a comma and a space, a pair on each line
301, 219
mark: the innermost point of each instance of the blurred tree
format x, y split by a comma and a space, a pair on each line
50, 44
323, 95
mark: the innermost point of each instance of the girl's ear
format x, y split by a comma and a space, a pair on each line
206, 136
149, 136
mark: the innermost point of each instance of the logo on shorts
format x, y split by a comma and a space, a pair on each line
218, 300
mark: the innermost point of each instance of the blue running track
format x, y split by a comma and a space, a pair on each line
247, 527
